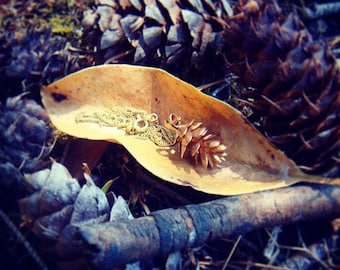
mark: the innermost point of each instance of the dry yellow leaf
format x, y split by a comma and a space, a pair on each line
252, 164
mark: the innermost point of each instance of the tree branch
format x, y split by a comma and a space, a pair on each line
104, 246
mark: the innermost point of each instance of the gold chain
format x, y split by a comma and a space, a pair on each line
135, 122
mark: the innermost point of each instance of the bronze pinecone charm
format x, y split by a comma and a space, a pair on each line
200, 145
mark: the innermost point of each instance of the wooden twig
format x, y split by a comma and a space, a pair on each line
312, 255
107, 245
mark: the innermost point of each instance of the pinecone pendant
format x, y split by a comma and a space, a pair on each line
200, 144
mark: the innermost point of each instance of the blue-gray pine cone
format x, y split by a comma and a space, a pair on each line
295, 100
174, 35
58, 205
30, 54
25, 141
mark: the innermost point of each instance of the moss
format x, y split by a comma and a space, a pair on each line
62, 25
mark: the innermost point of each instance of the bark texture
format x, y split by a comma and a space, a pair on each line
111, 244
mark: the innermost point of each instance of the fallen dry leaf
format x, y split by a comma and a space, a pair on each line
252, 163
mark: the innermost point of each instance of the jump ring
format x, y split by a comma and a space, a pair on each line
140, 125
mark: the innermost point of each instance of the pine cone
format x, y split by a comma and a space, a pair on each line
30, 54
25, 140
201, 145
58, 204
58, 200
168, 34
296, 98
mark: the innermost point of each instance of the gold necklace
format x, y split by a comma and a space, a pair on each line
135, 122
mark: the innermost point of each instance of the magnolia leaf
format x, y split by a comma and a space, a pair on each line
252, 163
